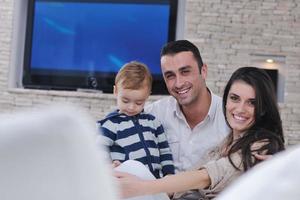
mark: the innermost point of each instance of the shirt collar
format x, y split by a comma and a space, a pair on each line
117, 113
213, 105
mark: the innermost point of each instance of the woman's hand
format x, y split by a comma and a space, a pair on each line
262, 157
130, 185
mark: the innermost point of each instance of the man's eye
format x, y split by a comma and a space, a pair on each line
169, 76
185, 72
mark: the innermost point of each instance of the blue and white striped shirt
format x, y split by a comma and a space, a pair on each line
140, 137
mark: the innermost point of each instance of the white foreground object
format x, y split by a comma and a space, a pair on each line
140, 170
51, 154
274, 179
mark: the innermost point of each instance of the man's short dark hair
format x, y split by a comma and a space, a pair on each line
178, 46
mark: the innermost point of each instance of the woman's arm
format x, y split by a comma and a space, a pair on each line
133, 186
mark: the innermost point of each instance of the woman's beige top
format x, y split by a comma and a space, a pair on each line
221, 173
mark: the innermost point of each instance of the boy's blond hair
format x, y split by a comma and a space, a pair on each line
134, 75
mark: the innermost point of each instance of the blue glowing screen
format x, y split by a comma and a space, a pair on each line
98, 37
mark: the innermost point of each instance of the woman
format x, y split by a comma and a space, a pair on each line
251, 111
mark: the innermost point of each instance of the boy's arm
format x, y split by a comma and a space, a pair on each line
106, 134
166, 158
106, 138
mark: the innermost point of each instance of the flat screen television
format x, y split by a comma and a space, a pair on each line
72, 44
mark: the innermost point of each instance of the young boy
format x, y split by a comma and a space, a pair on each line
129, 132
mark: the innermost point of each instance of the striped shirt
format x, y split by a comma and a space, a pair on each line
140, 137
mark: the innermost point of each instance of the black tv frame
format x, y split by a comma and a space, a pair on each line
74, 80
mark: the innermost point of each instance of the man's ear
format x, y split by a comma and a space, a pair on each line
204, 71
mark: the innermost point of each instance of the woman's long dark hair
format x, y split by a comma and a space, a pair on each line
267, 127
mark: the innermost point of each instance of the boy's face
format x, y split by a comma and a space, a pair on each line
129, 101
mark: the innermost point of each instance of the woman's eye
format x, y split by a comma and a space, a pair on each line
251, 102
234, 98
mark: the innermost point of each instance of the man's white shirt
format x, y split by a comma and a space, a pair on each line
190, 147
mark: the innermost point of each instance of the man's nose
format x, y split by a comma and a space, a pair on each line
179, 81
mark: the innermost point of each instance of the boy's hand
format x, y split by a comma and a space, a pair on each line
116, 163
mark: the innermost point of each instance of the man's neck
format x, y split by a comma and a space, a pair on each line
197, 112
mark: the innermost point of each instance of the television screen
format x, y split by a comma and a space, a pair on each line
73, 44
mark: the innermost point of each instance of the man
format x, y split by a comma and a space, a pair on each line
192, 116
